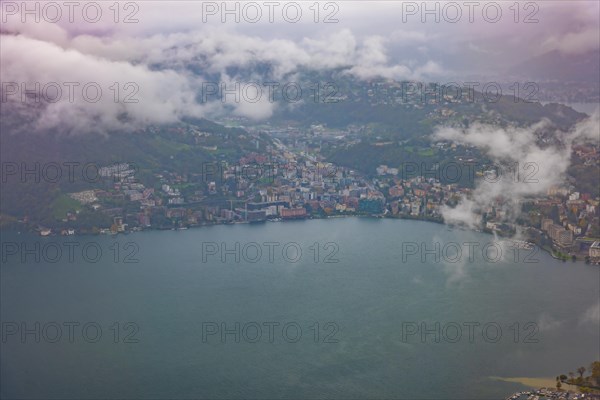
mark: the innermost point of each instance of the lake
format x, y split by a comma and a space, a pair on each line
338, 308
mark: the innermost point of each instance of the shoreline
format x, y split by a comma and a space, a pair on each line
529, 382
383, 216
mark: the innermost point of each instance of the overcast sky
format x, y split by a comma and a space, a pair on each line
433, 41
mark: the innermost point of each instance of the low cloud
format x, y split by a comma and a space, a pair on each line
168, 70
151, 97
591, 315
540, 166
170, 57
548, 323
573, 43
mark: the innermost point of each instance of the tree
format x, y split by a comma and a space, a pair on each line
581, 371
595, 368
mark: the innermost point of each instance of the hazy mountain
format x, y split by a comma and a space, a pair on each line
555, 65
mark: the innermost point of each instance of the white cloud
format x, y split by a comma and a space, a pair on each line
163, 96
540, 166
548, 323
172, 38
591, 315
506, 146
573, 42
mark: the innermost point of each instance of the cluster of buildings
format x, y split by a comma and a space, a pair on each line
562, 236
291, 181
420, 197
85, 197
412, 94
547, 394
294, 184
284, 185
570, 220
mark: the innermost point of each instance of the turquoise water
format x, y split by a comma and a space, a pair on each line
360, 304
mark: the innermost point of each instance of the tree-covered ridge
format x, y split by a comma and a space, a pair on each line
181, 148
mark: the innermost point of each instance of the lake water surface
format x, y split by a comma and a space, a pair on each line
337, 322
